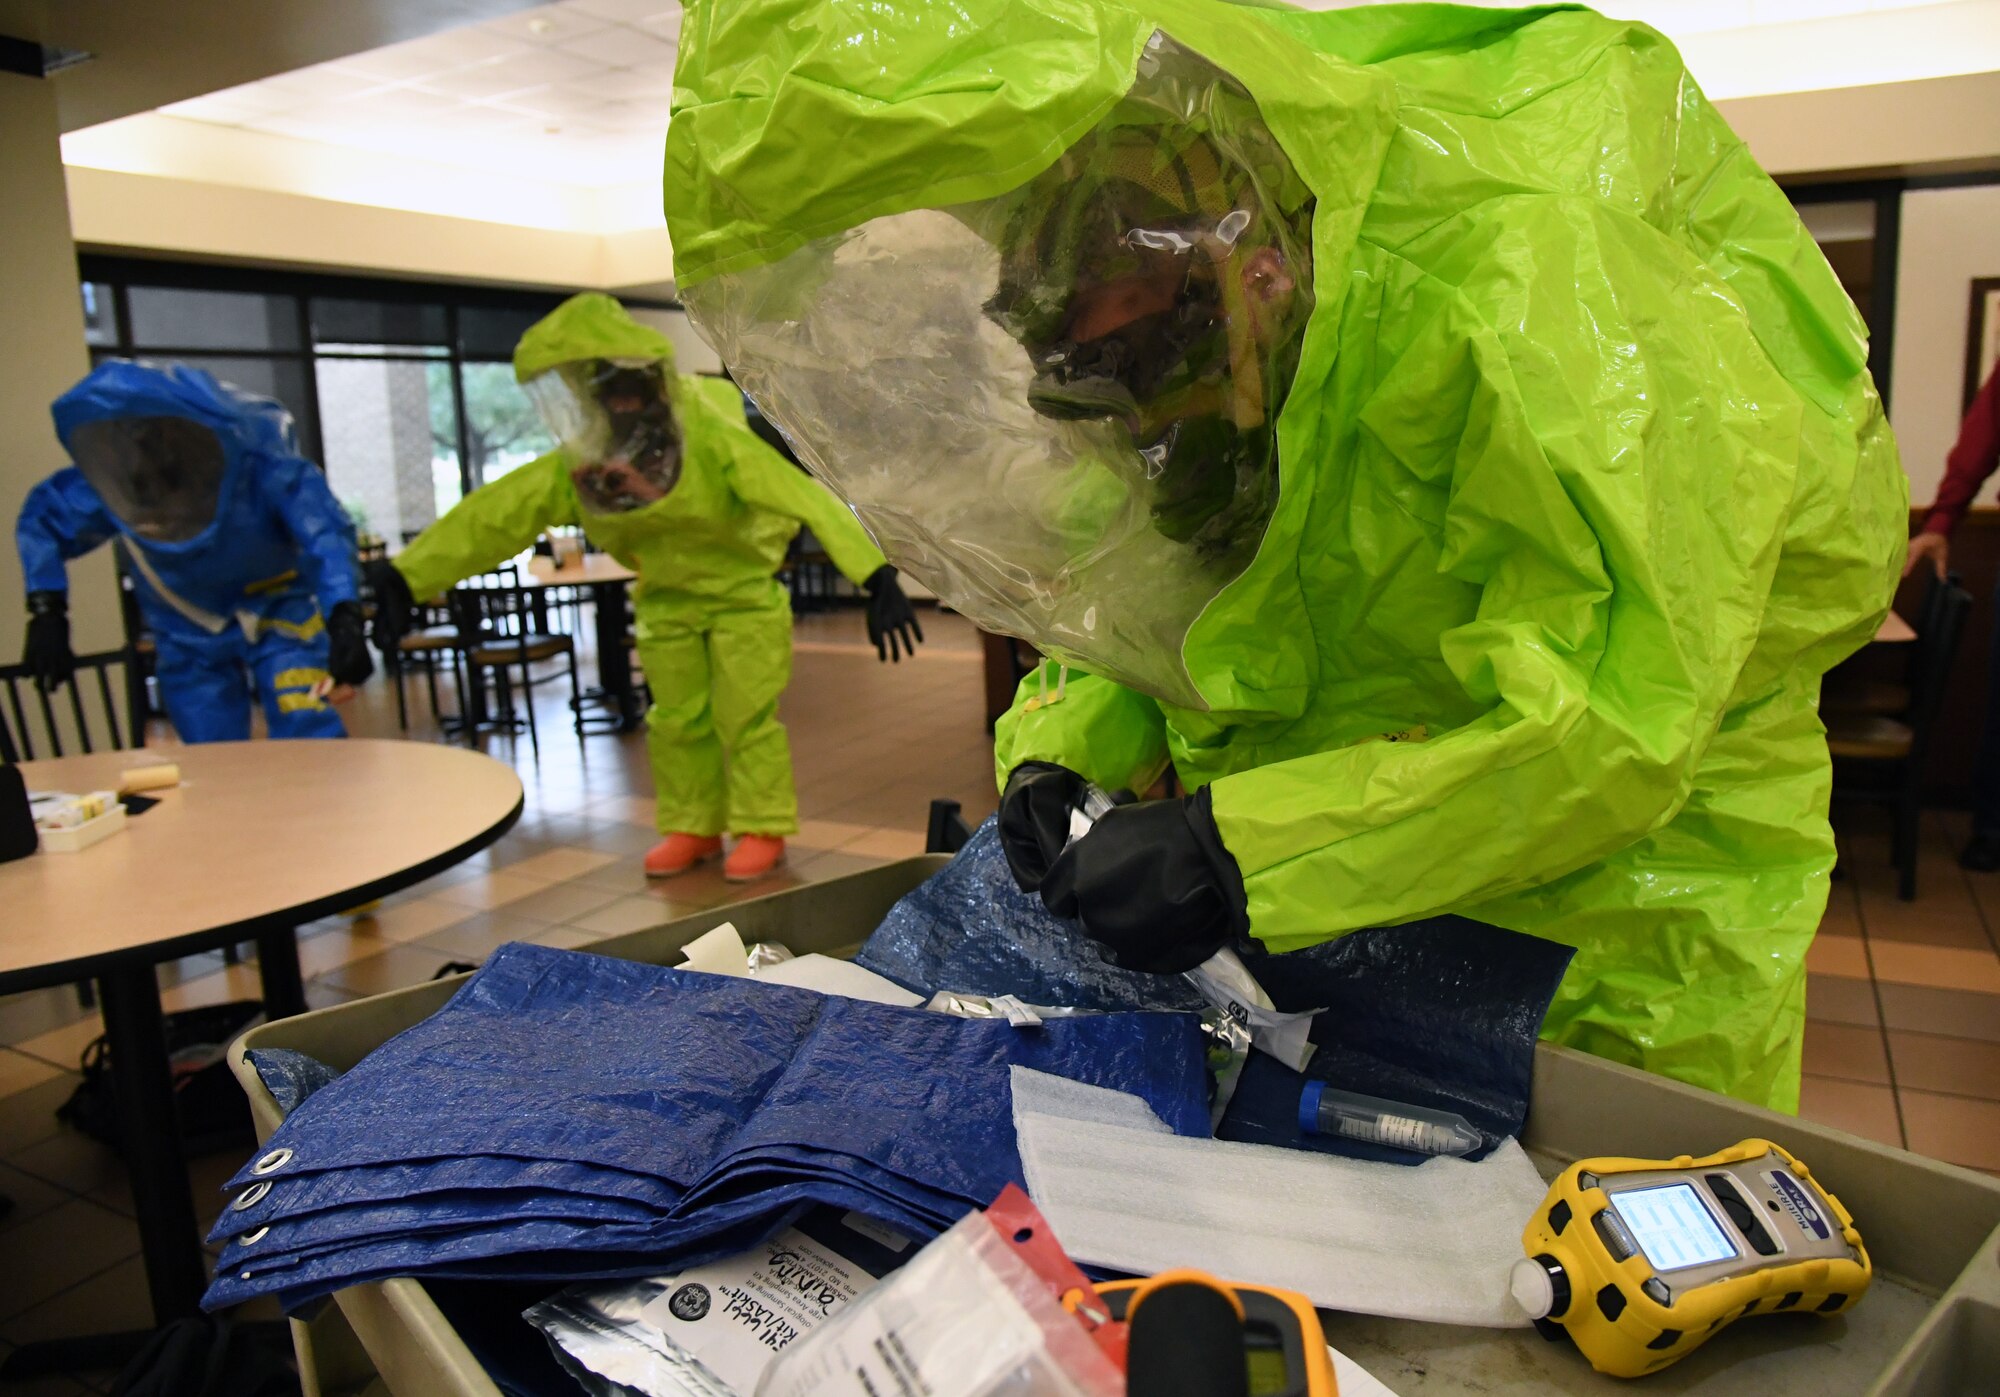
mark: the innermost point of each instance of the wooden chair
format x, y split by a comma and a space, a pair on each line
436, 642
116, 679
497, 622
1850, 694
1888, 754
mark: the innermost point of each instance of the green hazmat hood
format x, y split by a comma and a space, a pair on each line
1104, 547
588, 326
606, 387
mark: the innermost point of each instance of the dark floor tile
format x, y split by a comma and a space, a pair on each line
28, 1117
64, 1246
1833, 999
1953, 1013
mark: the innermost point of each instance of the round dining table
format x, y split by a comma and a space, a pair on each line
258, 839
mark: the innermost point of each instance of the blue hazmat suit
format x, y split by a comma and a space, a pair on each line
233, 540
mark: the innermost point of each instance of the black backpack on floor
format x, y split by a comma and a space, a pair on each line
213, 1112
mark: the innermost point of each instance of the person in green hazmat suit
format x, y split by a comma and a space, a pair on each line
1426, 429
663, 473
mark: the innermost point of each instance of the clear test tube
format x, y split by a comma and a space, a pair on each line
1327, 1110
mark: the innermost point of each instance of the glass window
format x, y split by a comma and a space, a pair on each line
283, 379
100, 316
502, 428
341, 324
165, 317
488, 333
391, 439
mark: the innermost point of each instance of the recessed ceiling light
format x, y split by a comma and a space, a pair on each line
539, 26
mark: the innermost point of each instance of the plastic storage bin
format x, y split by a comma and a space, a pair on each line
1929, 1327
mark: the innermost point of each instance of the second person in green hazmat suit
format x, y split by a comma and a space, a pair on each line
662, 472
1425, 428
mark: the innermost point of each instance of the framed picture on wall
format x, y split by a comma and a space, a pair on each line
1982, 336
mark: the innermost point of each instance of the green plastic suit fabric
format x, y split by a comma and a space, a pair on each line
1584, 483
713, 621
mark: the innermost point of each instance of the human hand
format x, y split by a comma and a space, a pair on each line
1928, 546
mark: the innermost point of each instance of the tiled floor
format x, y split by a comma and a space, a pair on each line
1903, 1042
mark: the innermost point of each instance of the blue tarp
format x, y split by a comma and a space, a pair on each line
1442, 1012
746, 1102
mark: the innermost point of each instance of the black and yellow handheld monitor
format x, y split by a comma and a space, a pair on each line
1641, 1261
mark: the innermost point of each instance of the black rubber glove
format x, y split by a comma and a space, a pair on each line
891, 618
47, 654
395, 608
1153, 884
347, 658
1034, 818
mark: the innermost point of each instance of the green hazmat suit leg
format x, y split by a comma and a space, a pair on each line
721, 760
681, 742
750, 662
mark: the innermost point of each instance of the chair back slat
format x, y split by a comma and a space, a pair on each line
49, 724
93, 684
9, 752
110, 707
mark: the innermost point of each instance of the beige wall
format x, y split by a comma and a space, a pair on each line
41, 351
1940, 123
1949, 237
155, 215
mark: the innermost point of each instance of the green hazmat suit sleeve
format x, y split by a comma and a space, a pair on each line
1103, 731
490, 525
766, 480
1621, 581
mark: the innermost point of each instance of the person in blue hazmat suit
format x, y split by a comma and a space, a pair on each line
243, 560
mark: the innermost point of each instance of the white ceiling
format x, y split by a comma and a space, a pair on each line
576, 93
570, 101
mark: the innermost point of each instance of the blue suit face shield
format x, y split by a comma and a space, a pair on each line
162, 476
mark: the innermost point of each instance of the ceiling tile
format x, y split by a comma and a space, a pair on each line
623, 11
632, 84
548, 24
216, 110
437, 53
620, 48
400, 103
313, 84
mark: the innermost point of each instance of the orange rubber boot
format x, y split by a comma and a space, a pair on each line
754, 857
677, 853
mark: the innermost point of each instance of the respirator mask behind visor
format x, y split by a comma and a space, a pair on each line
1057, 408
616, 420
162, 476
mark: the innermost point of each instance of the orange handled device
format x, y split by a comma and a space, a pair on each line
1191, 1335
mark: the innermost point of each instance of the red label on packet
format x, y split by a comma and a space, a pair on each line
1021, 1225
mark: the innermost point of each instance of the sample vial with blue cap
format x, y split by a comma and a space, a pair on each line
1327, 1110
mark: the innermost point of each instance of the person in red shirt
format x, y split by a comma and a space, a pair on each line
1972, 459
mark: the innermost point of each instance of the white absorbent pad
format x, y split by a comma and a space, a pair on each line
1434, 1242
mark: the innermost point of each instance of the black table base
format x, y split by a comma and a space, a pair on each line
162, 1195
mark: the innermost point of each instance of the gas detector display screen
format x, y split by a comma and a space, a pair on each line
1673, 1227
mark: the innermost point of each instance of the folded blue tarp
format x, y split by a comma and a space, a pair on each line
745, 1101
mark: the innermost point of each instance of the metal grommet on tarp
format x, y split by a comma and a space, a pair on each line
272, 1162
251, 1196
250, 1238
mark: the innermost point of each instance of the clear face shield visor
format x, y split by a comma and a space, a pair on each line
615, 417
1056, 408
162, 476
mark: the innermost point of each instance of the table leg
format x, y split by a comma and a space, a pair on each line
614, 665
278, 968
162, 1195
